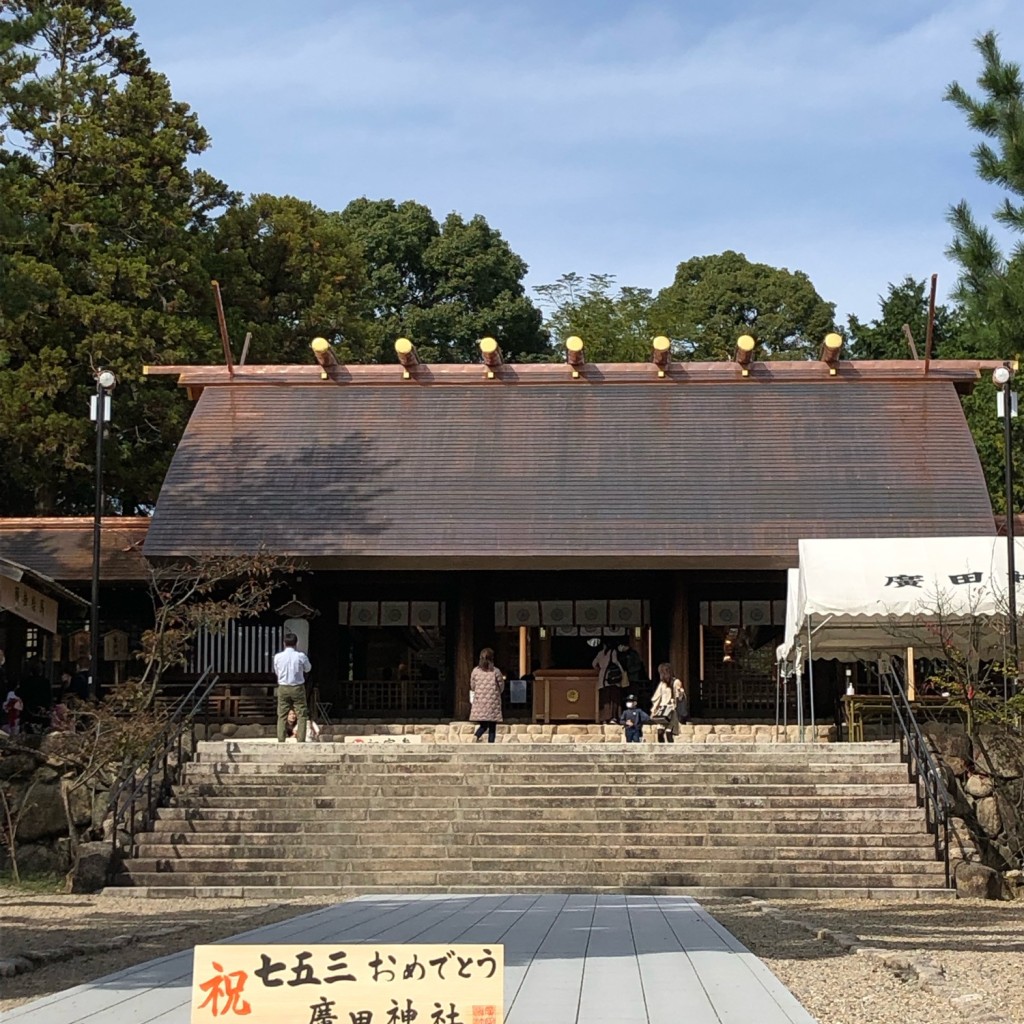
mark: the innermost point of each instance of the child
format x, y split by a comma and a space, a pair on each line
633, 721
13, 707
291, 725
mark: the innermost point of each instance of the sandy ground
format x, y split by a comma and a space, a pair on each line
947, 961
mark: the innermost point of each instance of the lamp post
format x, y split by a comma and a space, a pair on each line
105, 383
1001, 377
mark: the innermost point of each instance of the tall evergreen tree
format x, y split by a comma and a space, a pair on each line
905, 303
991, 283
443, 285
99, 257
715, 299
290, 272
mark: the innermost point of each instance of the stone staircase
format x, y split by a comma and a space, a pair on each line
262, 819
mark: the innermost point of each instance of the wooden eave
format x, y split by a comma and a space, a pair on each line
61, 546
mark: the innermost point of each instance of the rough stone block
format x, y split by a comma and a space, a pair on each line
978, 786
989, 818
998, 753
977, 881
93, 867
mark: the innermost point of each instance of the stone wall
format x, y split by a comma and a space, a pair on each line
984, 774
30, 777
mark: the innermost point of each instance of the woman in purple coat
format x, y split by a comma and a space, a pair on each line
485, 687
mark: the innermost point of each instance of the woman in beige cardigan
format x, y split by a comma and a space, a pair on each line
667, 702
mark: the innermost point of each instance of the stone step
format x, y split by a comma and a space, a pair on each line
318, 772
407, 790
682, 816
614, 803
598, 849
473, 860
578, 881
448, 839
765, 826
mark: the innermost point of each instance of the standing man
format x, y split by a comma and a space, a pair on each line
291, 667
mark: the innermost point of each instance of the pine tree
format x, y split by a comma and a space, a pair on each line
991, 283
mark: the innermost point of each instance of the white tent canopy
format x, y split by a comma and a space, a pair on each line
860, 597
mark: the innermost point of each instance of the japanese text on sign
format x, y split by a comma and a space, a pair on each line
348, 983
959, 579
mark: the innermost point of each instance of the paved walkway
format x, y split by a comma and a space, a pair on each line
568, 960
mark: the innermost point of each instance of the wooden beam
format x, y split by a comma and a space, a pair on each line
465, 647
324, 354
964, 373
574, 354
930, 330
524, 651
745, 352
491, 352
222, 324
406, 352
661, 354
830, 349
678, 647
910, 341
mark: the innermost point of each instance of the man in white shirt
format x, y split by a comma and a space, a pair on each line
291, 667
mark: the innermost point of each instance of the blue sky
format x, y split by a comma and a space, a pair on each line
604, 137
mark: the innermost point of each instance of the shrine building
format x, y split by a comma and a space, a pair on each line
541, 509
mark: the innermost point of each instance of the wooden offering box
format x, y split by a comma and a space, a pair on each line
565, 695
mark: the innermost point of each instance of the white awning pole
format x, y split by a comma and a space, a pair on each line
810, 678
800, 699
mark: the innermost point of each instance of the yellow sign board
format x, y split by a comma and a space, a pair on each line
348, 983
29, 604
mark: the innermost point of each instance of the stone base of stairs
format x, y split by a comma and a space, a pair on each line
271, 893
521, 732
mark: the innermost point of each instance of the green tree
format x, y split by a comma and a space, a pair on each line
715, 299
905, 303
289, 272
990, 287
99, 252
443, 285
615, 325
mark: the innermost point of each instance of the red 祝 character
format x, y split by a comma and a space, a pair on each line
227, 987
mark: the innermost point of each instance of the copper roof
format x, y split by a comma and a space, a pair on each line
537, 470
61, 547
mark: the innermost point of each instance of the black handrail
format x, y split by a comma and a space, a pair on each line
149, 778
923, 769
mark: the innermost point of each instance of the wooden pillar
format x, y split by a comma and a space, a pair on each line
465, 647
524, 651
911, 680
679, 648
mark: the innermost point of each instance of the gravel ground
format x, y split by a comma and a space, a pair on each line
948, 962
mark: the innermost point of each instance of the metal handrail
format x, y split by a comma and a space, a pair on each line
923, 769
149, 778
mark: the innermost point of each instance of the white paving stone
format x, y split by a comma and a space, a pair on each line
569, 959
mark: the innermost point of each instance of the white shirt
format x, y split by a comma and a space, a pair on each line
291, 667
